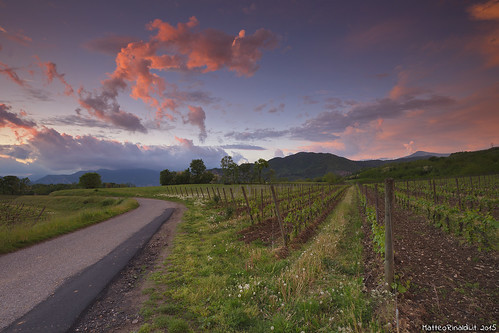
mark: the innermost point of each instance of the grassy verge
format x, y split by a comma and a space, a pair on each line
214, 282
61, 215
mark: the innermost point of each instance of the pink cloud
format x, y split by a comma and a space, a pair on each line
185, 48
18, 37
405, 87
11, 74
487, 43
50, 70
21, 127
377, 34
485, 11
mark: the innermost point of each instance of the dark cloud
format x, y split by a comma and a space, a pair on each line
39, 94
196, 117
110, 45
55, 151
76, 120
279, 108
10, 119
105, 106
322, 127
243, 147
15, 151
309, 100
258, 134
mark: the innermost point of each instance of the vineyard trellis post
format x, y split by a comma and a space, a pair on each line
247, 204
458, 194
278, 213
389, 261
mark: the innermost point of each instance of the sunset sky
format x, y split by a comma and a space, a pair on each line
156, 83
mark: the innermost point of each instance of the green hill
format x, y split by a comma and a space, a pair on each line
457, 164
311, 165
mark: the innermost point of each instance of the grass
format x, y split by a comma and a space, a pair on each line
61, 215
214, 282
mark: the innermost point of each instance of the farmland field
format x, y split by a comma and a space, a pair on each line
25, 220
307, 257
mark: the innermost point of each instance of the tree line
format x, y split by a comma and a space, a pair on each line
231, 173
13, 185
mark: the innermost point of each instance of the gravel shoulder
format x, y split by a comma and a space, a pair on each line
31, 275
117, 309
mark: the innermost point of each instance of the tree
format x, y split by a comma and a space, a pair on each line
183, 177
229, 170
197, 170
207, 177
10, 185
245, 172
259, 165
331, 178
90, 180
166, 177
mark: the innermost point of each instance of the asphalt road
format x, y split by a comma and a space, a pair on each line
45, 287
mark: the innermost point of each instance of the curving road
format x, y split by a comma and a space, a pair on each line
45, 287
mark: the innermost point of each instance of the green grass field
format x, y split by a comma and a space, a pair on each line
36, 218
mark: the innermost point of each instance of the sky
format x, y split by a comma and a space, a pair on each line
156, 83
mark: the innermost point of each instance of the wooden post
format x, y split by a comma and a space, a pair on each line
278, 213
435, 199
247, 204
225, 196
39, 215
376, 196
219, 195
261, 196
389, 261
208, 191
458, 195
232, 196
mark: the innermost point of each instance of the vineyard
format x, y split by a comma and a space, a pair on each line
15, 213
279, 214
465, 207
445, 237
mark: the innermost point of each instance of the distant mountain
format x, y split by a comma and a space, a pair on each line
421, 153
137, 177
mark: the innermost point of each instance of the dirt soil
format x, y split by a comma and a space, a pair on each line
117, 308
448, 280
269, 233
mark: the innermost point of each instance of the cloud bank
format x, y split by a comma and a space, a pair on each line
180, 48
